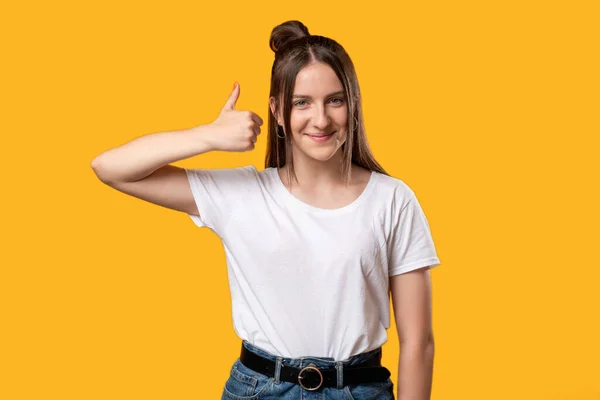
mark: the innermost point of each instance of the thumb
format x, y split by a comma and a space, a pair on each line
230, 104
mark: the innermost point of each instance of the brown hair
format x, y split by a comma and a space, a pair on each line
294, 49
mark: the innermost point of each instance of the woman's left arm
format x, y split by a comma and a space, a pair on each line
411, 299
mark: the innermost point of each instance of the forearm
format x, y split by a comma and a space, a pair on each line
415, 371
142, 156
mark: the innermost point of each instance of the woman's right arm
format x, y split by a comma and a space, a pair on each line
141, 167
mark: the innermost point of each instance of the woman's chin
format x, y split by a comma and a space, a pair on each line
322, 154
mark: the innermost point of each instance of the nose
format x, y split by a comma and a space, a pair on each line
321, 119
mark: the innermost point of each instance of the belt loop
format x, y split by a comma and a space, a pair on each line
340, 374
278, 369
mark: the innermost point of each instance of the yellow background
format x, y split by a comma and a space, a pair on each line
489, 111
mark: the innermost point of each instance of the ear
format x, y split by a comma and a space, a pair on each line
273, 107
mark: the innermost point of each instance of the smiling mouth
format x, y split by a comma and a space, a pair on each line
317, 136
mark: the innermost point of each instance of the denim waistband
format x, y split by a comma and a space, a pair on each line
319, 362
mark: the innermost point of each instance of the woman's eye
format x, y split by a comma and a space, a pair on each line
341, 100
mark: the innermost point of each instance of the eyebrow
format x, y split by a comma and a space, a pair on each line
308, 97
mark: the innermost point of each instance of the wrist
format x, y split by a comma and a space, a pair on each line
202, 137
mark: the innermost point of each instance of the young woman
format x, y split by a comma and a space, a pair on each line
314, 243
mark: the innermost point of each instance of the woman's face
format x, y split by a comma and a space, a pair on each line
319, 109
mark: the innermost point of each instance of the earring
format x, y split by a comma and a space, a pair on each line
280, 128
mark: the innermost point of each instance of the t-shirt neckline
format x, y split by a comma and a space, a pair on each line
296, 202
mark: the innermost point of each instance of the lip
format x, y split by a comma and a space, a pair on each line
321, 138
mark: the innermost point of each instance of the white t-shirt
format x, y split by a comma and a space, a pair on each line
307, 281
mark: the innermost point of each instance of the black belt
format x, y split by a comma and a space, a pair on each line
311, 377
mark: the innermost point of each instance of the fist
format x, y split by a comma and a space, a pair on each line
235, 130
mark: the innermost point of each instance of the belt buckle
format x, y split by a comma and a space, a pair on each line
310, 367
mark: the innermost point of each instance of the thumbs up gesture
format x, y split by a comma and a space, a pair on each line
235, 130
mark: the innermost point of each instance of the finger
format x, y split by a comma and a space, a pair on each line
256, 118
256, 130
235, 94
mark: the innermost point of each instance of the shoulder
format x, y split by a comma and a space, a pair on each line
221, 181
249, 178
254, 175
395, 190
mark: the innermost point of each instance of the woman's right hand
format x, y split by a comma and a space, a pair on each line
234, 130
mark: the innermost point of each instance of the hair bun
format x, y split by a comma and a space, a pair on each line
286, 32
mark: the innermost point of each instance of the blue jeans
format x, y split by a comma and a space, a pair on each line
247, 384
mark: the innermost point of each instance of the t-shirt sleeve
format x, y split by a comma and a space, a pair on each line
217, 193
412, 245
